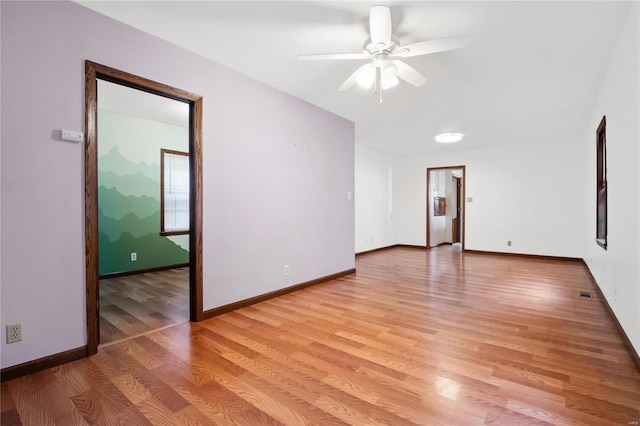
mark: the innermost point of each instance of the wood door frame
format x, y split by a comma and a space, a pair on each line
93, 72
458, 195
429, 201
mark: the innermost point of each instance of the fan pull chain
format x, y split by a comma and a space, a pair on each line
378, 83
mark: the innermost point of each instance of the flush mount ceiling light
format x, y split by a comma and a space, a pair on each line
449, 137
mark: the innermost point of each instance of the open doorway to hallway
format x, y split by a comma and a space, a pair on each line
445, 207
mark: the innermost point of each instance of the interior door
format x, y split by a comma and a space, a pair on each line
457, 228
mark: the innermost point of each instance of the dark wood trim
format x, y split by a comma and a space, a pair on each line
375, 250
531, 256
494, 253
123, 78
143, 271
94, 71
625, 339
456, 224
162, 231
170, 233
411, 246
261, 298
173, 151
463, 210
464, 206
447, 168
390, 247
40, 364
195, 221
91, 208
601, 181
428, 196
454, 228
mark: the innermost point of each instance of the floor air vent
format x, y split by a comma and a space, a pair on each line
585, 294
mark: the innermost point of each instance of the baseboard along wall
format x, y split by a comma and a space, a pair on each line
261, 298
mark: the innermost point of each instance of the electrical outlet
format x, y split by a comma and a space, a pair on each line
14, 333
134, 257
509, 243
286, 269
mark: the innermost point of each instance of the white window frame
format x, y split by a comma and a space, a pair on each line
174, 192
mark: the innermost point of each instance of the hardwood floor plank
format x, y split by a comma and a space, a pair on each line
433, 337
56, 396
31, 406
10, 418
90, 408
136, 304
157, 412
352, 388
360, 415
191, 416
602, 408
159, 390
131, 388
304, 409
8, 411
132, 416
103, 391
286, 388
216, 402
506, 416
603, 392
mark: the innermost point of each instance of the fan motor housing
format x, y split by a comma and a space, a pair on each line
371, 49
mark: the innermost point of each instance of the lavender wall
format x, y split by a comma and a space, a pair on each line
276, 173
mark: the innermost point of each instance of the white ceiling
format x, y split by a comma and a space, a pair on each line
532, 73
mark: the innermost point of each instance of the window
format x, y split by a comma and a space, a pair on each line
601, 184
174, 192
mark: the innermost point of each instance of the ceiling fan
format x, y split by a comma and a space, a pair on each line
381, 49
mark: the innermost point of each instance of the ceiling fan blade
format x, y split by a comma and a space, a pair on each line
434, 46
333, 56
409, 74
352, 79
380, 25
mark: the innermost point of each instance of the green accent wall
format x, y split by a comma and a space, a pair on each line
129, 193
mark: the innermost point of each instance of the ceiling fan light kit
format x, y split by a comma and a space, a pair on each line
366, 76
381, 49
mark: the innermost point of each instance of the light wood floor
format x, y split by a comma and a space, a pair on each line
416, 337
136, 304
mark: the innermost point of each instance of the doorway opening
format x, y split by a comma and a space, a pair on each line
143, 211
445, 207
193, 264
